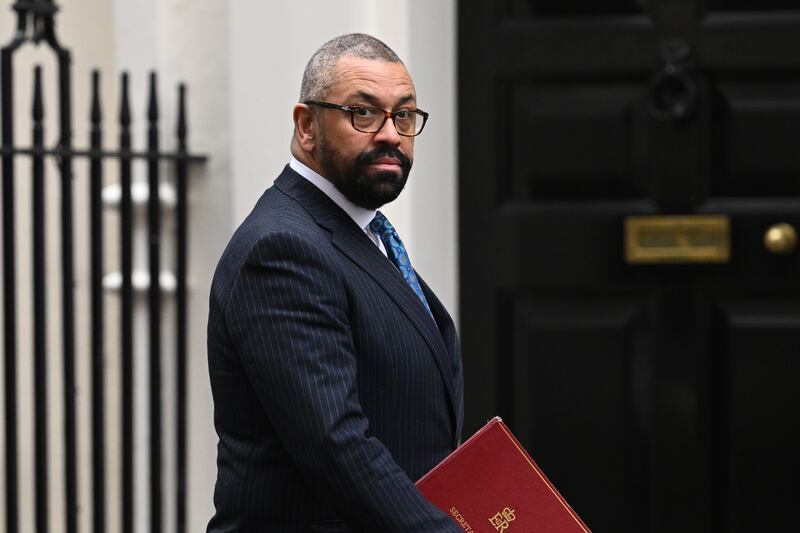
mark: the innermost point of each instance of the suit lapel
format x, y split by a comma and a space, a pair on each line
352, 242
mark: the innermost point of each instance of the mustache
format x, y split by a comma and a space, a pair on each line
385, 151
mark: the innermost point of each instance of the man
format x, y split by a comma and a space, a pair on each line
335, 370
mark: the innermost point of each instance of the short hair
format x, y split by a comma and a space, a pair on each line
318, 77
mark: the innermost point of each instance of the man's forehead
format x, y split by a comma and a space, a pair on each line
356, 77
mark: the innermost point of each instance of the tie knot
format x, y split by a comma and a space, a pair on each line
381, 226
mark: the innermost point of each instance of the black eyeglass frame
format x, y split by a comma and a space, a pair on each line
353, 109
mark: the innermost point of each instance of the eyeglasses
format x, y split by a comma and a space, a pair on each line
366, 119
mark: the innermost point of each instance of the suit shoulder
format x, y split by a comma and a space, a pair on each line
274, 214
277, 226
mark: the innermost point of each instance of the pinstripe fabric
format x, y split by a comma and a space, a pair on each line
333, 388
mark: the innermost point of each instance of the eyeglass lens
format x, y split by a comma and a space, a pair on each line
370, 120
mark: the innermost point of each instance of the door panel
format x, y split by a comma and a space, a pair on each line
586, 424
757, 385
573, 8
573, 141
750, 5
747, 113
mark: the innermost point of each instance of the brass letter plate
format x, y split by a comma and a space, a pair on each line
677, 239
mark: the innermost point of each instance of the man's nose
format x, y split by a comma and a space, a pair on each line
388, 133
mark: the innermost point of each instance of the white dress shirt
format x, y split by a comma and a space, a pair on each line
362, 217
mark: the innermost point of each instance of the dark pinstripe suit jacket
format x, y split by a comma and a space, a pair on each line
333, 388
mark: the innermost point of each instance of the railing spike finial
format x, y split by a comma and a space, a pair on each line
96, 112
152, 107
181, 128
125, 107
38, 99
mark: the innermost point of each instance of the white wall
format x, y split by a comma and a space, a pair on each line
242, 61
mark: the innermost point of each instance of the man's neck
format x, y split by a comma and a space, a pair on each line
360, 215
308, 160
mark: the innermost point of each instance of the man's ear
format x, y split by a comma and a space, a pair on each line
305, 126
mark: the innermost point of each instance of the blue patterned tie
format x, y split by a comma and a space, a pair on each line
397, 253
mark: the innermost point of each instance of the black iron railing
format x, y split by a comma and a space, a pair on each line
35, 23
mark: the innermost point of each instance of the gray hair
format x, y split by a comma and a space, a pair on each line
319, 76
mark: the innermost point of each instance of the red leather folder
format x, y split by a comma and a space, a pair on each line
490, 484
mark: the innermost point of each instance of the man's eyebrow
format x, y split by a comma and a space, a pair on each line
372, 100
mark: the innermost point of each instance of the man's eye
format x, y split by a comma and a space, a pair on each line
403, 114
365, 112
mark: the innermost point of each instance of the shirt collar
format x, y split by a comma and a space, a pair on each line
361, 216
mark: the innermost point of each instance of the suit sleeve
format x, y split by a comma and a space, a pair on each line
287, 314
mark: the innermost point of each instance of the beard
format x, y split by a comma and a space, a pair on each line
367, 190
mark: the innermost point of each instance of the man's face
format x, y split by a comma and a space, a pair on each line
370, 169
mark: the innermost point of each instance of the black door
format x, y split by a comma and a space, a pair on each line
659, 392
